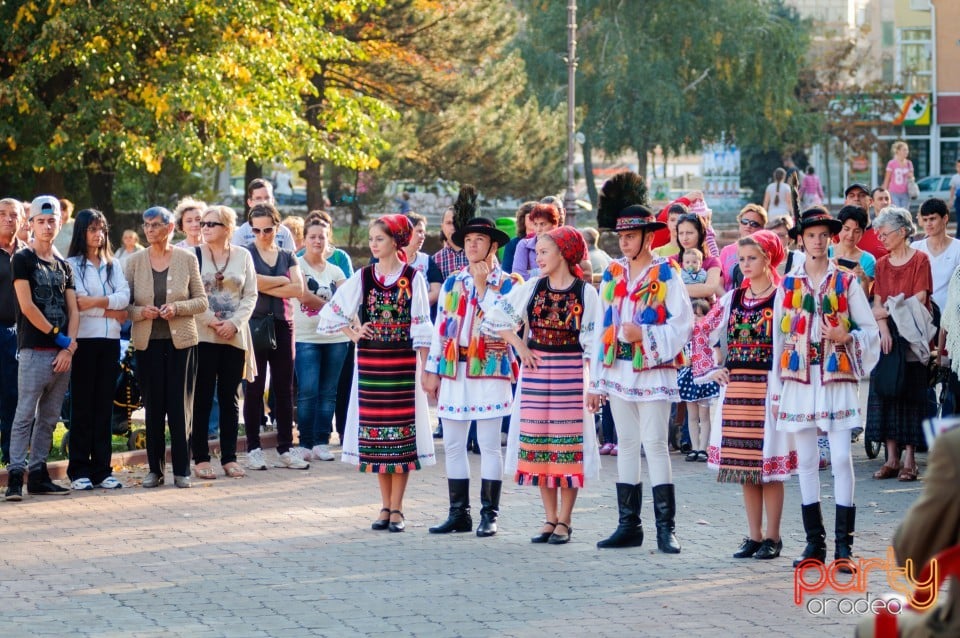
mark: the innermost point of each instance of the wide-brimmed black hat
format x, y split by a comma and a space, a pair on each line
638, 217
483, 226
816, 216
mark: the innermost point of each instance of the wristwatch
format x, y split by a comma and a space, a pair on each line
54, 331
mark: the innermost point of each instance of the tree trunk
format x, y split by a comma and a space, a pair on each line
100, 175
251, 171
642, 163
49, 182
313, 174
313, 105
587, 150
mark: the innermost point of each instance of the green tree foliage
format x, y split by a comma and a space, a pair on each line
97, 85
674, 73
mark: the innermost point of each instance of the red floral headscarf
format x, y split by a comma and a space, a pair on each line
400, 229
772, 247
572, 247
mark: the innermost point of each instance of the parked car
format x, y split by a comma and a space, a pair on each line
930, 187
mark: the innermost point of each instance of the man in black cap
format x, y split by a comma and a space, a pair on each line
857, 194
470, 373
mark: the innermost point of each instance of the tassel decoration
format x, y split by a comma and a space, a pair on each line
844, 362
785, 325
832, 365
504, 365
648, 316
827, 305
802, 325
475, 367
661, 315
609, 354
637, 358
842, 303
794, 361
785, 360
809, 305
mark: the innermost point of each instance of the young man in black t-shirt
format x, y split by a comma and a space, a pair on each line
47, 317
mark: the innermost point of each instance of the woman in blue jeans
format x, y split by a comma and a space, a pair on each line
319, 358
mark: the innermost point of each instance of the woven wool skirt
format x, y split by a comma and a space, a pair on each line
900, 418
551, 422
386, 383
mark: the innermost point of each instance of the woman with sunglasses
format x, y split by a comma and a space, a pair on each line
224, 353
278, 281
751, 219
166, 294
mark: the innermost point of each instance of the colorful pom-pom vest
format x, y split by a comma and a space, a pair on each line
486, 356
649, 296
800, 310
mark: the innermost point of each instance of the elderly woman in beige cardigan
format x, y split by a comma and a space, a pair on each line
166, 293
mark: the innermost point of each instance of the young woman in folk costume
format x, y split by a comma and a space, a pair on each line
824, 340
747, 448
552, 442
646, 322
387, 431
470, 373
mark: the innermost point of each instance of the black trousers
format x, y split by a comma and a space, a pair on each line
93, 383
219, 366
167, 377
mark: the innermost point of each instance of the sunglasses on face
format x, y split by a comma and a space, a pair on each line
750, 223
266, 231
211, 224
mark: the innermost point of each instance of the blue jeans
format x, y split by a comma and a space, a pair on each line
318, 374
8, 385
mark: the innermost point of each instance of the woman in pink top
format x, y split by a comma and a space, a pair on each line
899, 173
811, 191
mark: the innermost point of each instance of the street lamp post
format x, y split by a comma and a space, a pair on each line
569, 197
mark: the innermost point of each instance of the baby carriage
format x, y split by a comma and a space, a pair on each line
126, 401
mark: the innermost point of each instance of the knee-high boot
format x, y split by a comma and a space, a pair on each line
846, 522
628, 532
816, 535
489, 507
665, 510
459, 518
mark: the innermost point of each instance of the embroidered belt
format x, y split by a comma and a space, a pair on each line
625, 353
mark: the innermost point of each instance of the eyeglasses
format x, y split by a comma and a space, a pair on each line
154, 226
266, 231
211, 224
750, 223
883, 236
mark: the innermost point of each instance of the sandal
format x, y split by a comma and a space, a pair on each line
692, 456
233, 470
702, 456
886, 472
205, 473
908, 474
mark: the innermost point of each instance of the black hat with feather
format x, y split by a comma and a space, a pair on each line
465, 208
622, 204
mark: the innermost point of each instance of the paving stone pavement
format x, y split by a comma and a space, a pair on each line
290, 553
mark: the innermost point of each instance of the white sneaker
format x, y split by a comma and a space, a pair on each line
110, 483
255, 460
322, 453
301, 453
81, 484
292, 462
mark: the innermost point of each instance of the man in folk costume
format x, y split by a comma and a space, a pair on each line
470, 373
646, 322
825, 339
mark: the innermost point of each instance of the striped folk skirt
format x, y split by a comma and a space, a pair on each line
550, 448
386, 384
743, 430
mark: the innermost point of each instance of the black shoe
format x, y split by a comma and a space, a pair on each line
769, 549
747, 549
692, 456
686, 448
14, 486
628, 532
458, 520
544, 537
560, 539
39, 483
381, 523
490, 507
665, 509
399, 526
816, 548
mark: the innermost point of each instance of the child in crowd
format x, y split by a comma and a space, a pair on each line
698, 397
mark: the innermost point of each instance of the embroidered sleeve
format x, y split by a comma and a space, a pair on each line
436, 339
707, 332
774, 383
864, 350
343, 307
590, 322
509, 312
421, 328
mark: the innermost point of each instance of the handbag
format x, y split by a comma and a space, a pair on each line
912, 189
888, 374
263, 333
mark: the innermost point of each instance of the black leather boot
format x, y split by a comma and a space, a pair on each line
846, 522
816, 536
14, 486
665, 511
628, 532
459, 518
38, 482
489, 507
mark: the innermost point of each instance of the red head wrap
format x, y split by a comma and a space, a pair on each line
400, 229
572, 247
772, 247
